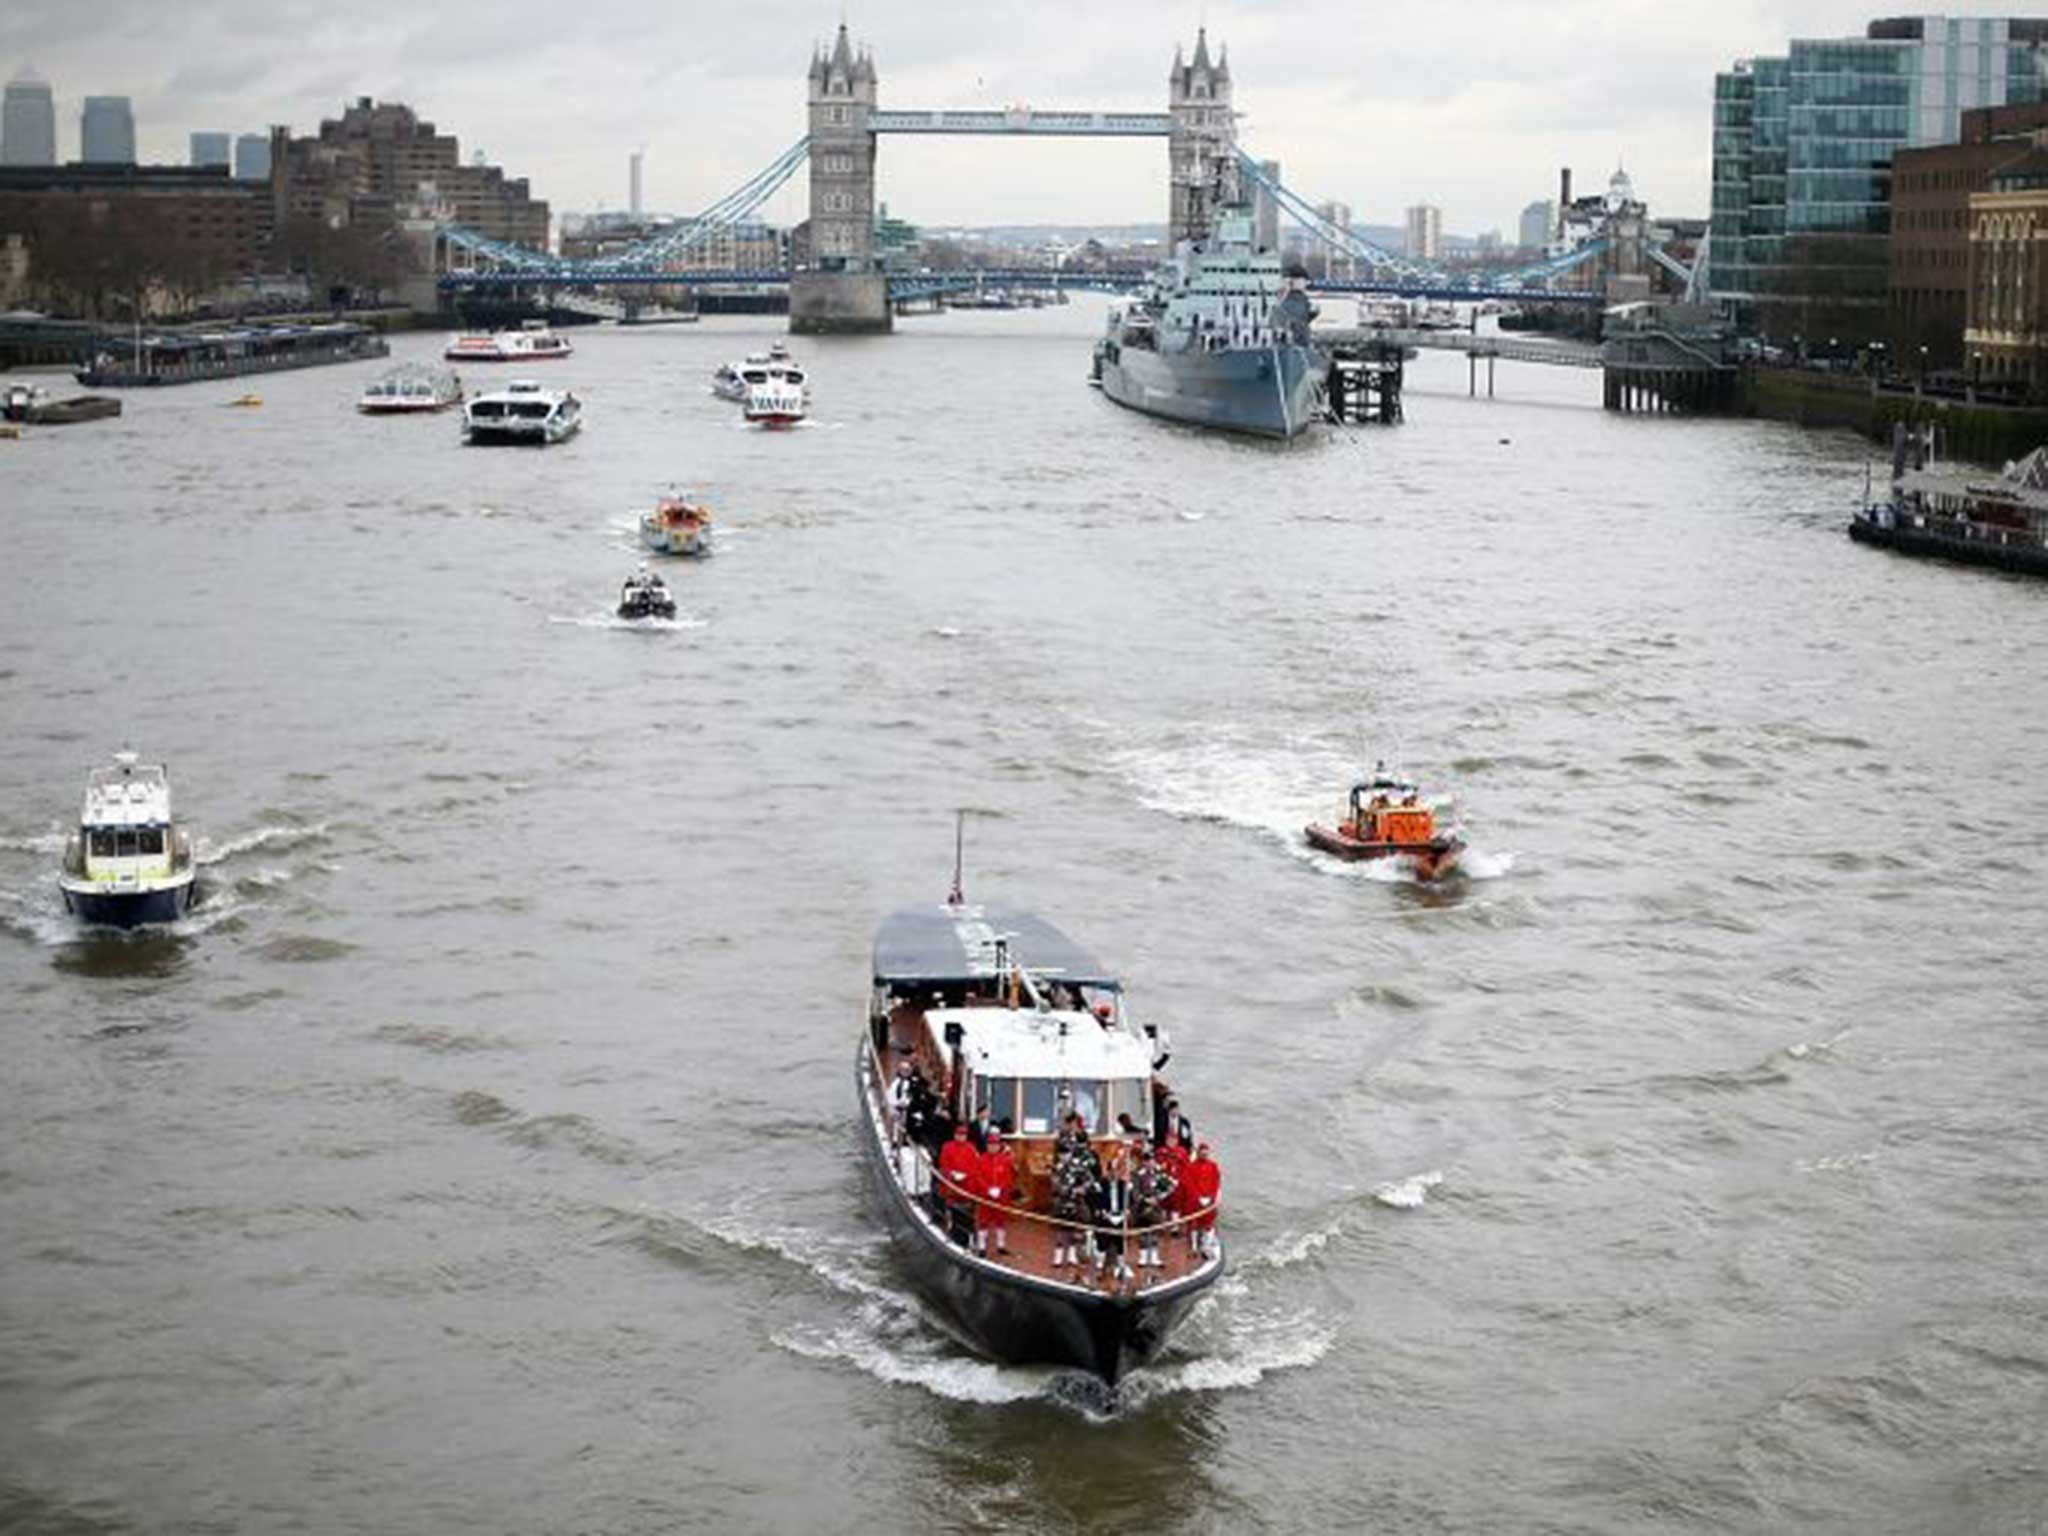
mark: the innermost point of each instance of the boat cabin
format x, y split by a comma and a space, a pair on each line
1385, 810
125, 835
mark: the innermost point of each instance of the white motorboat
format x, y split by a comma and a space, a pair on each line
646, 596
410, 388
677, 527
531, 343
735, 381
776, 403
129, 862
522, 412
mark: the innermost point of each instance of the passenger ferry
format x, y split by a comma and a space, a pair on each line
130, 861
1954, 513
533, 342
1010, 1021
735, 381
1387, 818
677, 527
522, 412
777, 403
410, 389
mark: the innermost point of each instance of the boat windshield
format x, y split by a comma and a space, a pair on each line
1032, 1104
530, 408
126, 842
487, 408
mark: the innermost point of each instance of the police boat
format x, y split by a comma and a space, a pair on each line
130, 862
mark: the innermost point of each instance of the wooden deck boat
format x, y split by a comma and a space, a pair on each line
677, 527
1005, 1015
1386, 818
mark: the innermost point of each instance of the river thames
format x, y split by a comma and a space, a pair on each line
481, 1154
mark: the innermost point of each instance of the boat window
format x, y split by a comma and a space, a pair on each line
124, 844
150, 840
102, 842
531, 408
487, 408
997, 1095
1091, 1103
1129, 1096
755, 376
1040, 1095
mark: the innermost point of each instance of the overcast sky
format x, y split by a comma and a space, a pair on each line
1473, 107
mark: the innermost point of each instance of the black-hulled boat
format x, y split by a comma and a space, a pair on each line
1001, 1011
130, 862
1958, 514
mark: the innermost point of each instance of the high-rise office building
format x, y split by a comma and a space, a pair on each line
1425, 232
1539, 220
28, 122
106, 131
252, 157
1803, 146
210, 149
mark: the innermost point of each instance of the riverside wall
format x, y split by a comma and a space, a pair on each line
1981, 433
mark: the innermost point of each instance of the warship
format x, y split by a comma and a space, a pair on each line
1218, 338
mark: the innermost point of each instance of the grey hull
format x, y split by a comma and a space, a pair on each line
1271, 393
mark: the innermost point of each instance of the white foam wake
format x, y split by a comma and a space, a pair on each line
1410, 1193
613, 621
282, 836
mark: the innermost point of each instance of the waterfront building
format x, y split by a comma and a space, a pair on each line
252, 157
211, 149
28, 122
1538, 219
2007, 337
1802, 153
1266, 210
106, 131
379, 160
93, 229
1929, 283
1424, 232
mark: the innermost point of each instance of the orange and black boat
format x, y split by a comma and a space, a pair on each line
1387, 819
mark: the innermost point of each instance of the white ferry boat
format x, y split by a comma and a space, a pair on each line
776, 403
522, 412
129, 862
735, 381
411, 388
532, 342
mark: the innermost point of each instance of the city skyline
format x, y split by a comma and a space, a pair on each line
1476, 122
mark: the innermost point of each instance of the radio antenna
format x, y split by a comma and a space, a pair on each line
957, 897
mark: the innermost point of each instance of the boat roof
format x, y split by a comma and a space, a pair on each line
2023, 484
942, 943
127, 794
1056, 1043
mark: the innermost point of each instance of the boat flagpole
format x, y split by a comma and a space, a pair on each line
956, 897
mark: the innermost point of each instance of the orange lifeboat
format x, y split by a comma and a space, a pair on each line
1385, 818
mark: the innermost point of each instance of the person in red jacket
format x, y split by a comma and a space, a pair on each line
1202, 1188
959, 1175
1174, 1158
998, 1179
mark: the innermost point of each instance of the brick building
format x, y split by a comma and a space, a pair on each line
2007, 338
1929, 285
381, 160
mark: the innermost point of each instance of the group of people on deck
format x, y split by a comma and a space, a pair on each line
1158, 1186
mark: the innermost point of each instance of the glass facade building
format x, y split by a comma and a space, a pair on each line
1803, 145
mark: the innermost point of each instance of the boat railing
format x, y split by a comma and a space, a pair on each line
943, 1201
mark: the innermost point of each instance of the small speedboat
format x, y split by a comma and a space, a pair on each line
522, 412
409, 389
129, 862
677, 527
1386, 818
33, 404
734, 381
21, 401
776, 403
645, 596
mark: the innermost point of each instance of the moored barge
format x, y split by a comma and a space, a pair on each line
2000, 521
1017, 1029
187, 357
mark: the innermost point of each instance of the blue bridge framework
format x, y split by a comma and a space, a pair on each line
1206, 167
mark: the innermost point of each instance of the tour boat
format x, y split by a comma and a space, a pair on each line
129, 862
1006, 1014
735, 381
1387, 819
533, 342
777, 403
645, 596
411, 388
1958, 513
521, 412
677, 527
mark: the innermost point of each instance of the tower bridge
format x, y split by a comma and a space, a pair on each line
840, 284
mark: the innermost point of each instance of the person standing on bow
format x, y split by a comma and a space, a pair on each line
998, 1188
1200, 1195
1152, 1189
959, 1175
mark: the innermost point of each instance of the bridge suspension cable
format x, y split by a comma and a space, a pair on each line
649, 255
1402, 269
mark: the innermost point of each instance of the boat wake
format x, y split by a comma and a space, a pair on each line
613, 621
1230, 781
283, 836
1408, 1194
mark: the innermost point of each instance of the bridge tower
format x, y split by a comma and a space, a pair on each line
840, 288
1202, 148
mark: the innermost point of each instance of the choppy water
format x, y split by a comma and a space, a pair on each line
480, 1155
